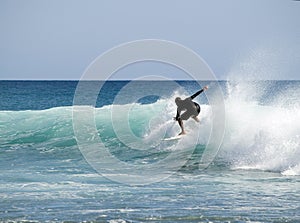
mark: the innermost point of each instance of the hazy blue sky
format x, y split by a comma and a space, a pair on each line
58, 39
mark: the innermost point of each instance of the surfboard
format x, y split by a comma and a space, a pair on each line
173, 138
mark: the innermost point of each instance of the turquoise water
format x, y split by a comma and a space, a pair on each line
254, 177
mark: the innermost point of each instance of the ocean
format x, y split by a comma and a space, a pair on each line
56, 168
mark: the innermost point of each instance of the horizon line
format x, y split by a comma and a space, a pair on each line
146, 80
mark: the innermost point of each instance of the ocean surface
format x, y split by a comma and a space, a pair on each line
48, 175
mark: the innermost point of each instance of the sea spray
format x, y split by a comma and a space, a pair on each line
261, 133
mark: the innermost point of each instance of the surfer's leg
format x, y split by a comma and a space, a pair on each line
185, 116
197, 112
195, 118
181, 126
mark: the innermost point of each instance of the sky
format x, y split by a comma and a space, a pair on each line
58, 39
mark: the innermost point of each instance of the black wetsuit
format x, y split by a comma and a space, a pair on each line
191, 108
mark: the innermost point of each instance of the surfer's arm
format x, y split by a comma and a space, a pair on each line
199, 92
177, 115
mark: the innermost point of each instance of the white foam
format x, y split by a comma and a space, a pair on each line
265, 137
292, 171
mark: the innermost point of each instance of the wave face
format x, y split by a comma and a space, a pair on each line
262, 130
46, 136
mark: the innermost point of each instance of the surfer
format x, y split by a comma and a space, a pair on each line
190, 108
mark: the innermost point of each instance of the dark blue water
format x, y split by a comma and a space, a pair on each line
39, 95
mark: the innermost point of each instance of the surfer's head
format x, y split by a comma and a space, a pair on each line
178, 100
